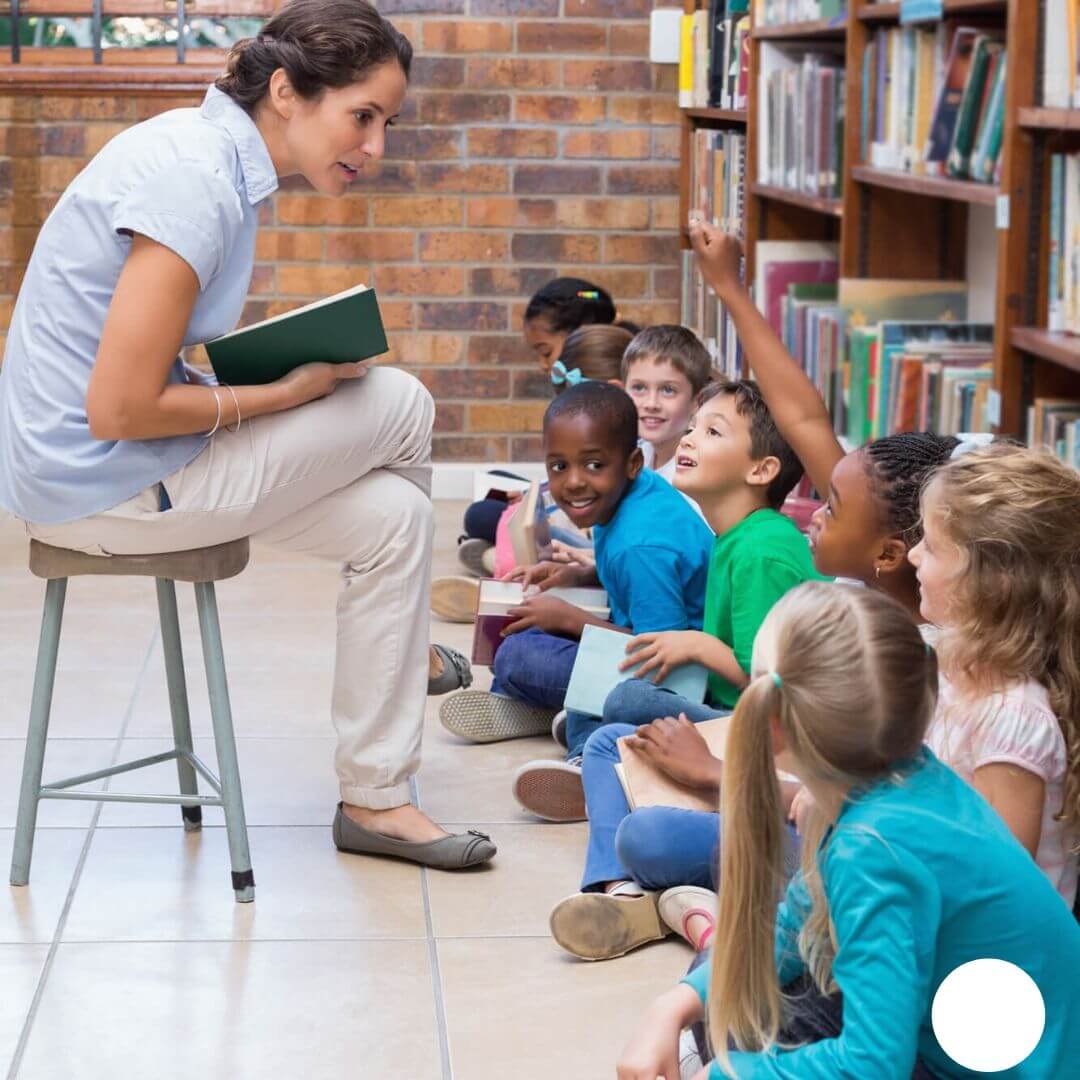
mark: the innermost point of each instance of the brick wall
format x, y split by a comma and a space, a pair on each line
536, 140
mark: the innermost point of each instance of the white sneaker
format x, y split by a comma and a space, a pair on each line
551, 789
558, 728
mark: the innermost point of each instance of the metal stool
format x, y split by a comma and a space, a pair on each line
202, 566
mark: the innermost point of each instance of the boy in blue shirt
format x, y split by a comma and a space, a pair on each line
652, 556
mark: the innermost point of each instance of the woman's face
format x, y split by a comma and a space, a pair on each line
334, 140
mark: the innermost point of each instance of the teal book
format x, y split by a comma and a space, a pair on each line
596, 673
339, 329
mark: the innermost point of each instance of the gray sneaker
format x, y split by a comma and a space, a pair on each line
558, 728
481, 717
470, 554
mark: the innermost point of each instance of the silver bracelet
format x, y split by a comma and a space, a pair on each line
239, 418
217, 422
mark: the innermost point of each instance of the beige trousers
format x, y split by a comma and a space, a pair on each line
346, 478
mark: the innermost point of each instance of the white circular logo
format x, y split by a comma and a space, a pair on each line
988, 1015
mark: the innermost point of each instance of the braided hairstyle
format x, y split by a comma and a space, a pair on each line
899, 467
320, 44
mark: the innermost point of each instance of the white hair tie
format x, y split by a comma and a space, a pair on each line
971, 440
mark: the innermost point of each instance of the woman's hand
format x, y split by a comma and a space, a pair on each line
654, 1050
312, 381
662, 653
719, 256
677, 748
547, 613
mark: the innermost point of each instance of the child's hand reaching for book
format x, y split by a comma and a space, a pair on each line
572, 556
660, 654
547, 613
677, 748
312, 381
719, 255
551, 575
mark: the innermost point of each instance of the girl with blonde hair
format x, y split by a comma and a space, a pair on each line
999, 573
907, 873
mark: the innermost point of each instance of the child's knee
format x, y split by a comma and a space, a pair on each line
641, 841
632, 702
602, 744
509, 658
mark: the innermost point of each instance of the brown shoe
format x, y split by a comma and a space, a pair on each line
599, 926
454, 598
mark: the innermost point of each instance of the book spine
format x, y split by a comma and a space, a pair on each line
686, 62
963, 137
1055, 319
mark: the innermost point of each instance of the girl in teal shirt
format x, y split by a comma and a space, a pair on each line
907, 872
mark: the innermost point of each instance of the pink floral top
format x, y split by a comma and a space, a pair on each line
1016, 726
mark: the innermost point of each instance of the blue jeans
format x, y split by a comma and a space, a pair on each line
534, 667
634, 702
656, 846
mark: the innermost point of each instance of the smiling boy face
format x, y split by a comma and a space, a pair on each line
587, 470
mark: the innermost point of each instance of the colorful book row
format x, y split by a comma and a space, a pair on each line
714, 56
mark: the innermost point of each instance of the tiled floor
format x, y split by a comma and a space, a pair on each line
126, 957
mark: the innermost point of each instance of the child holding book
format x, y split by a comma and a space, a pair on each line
735, 464
654, 578
999, 572
883, 909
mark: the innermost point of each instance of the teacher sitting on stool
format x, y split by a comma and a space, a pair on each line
110, 444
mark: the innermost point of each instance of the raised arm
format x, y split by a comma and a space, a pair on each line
128, 396
793, 400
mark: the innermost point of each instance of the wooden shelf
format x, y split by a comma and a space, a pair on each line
812, 28
830, 207
1051, 119
1061, 349
723, 116
891, 12
967, 191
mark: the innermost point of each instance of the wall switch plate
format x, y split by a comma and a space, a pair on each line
664, 25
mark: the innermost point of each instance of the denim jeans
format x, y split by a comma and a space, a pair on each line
656, 846
634, 702
534, 667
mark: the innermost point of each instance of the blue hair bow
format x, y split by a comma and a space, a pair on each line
560, 376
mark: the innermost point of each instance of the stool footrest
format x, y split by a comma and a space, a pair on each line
111, 796
131, 766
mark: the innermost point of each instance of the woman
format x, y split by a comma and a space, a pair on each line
111, 445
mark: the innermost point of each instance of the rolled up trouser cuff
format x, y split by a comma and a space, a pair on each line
377, 798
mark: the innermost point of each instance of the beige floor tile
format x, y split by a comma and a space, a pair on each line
30, 913
63, 758
536, 867
87, 703
557, 1016
112, 640
285, 782
20, 970
220, 1010
165, 885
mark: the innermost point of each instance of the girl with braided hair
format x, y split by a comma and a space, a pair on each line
871, 515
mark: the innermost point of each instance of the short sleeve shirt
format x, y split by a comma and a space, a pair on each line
190, 179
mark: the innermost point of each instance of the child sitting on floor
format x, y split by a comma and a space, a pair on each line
999, 570
654, 578
907, 873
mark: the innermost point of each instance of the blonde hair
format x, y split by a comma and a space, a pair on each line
1014, 611
844, 675
596, 351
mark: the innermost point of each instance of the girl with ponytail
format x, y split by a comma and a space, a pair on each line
907, 873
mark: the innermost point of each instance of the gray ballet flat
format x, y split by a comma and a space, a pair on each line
455, 852
455, 675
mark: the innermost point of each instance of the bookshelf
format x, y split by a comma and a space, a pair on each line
894, 224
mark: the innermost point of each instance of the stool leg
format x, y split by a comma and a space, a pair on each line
178, 699
225, 741
38, 732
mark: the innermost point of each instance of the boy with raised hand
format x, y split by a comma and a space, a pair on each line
652, 554
736, 466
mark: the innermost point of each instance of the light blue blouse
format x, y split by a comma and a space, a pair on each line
922, 876
191, 179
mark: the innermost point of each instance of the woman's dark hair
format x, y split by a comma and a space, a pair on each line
321, 44
899, 467
567, 303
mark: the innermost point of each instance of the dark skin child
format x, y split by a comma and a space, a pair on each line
588, 477
545, 342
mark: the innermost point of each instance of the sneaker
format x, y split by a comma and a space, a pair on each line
455, 598
471, 553
551, 790
488, 562
599, 926
481, 717
678, 908
558, 728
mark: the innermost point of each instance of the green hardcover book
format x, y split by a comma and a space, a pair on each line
339, 329
959, 160
988, 145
